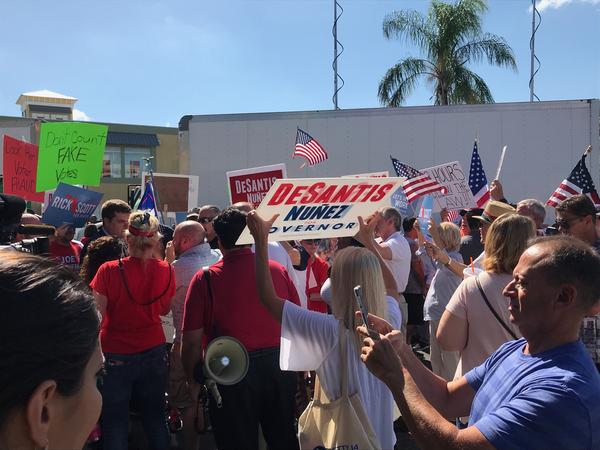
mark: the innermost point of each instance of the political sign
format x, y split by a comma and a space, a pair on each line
458, 194
314, 208
20, 169
71, 204
71, 153
251, 185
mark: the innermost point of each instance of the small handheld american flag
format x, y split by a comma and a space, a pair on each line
418, 183
578, 182
309, 148
477, 179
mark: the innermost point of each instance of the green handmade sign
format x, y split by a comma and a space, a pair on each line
70, 152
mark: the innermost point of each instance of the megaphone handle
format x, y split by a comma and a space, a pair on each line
214, 390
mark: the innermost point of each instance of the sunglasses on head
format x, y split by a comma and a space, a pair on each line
205, 219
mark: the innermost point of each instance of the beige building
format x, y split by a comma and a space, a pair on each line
127, 145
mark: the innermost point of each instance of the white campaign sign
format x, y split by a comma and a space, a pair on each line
456, 181
383, 174
315, 208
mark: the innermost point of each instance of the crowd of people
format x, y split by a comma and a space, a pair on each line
479, 334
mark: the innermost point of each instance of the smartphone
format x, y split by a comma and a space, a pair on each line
364, 313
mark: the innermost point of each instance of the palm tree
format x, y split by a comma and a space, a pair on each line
451, 36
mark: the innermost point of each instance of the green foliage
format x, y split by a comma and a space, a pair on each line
450, 36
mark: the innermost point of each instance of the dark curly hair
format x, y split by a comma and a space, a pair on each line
101, 250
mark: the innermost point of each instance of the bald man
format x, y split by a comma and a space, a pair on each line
192, 255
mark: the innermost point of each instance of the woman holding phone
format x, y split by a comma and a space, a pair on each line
311, 341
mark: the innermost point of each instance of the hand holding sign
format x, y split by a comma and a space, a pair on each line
70, 152
259, 227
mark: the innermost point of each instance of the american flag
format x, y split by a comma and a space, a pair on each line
417, 184
453, 215
309, 148
579, 182
477, 179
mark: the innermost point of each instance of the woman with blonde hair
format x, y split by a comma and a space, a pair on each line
311, 340
131, 294
476, 320
442, 287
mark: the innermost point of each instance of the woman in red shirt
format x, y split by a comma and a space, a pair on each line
131, 294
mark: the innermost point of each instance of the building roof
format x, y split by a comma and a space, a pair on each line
46, 94
138, 139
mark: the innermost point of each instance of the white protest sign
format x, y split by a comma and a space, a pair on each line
251, 185
315, 208
458, 193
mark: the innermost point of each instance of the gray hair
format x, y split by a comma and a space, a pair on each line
535, 206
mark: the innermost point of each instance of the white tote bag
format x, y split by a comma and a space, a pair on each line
340, 423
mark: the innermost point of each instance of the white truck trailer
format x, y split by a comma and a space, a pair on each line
545, 140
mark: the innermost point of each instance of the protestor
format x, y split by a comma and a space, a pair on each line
312, 341
132, 293
311, 273
394, 249
576, 216
282, 252
231, 308
115, 216
50, 358
64, 249
416, 288
492, 211
28, 219
192, 253
443, 285
534, 209
89, 233
539, 392
104, 249
476, 321
471, 244
206, 215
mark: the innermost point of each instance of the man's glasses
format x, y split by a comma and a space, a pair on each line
205, 219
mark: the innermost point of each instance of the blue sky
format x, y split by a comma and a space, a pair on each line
150, 62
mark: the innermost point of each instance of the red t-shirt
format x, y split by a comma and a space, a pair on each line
67, 255
131, 325
236, 310
320, 271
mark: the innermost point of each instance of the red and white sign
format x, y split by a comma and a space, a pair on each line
251, 185
315, 208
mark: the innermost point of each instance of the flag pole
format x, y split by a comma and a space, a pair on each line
154, 190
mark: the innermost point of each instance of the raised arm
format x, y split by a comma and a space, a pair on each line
293, 253
259, 228
365, 234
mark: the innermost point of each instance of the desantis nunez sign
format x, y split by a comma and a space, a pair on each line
312, 208
251, 185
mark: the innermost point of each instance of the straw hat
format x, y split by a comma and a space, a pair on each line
493, 210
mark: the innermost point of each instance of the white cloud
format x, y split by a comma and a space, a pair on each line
80, 115
555, 4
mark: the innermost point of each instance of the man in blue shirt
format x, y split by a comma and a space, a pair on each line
540, 392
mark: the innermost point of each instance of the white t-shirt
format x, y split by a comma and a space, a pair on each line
401, 257
309, 341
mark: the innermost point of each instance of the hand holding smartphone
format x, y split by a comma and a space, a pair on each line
365, 313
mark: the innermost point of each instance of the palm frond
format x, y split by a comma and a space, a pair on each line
399, 81
489, 46
469, 88
408, 26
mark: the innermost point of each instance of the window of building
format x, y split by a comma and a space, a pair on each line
122, 162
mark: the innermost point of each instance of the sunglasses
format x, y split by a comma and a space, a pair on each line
205, 219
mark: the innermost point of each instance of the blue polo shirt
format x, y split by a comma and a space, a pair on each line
550, 400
